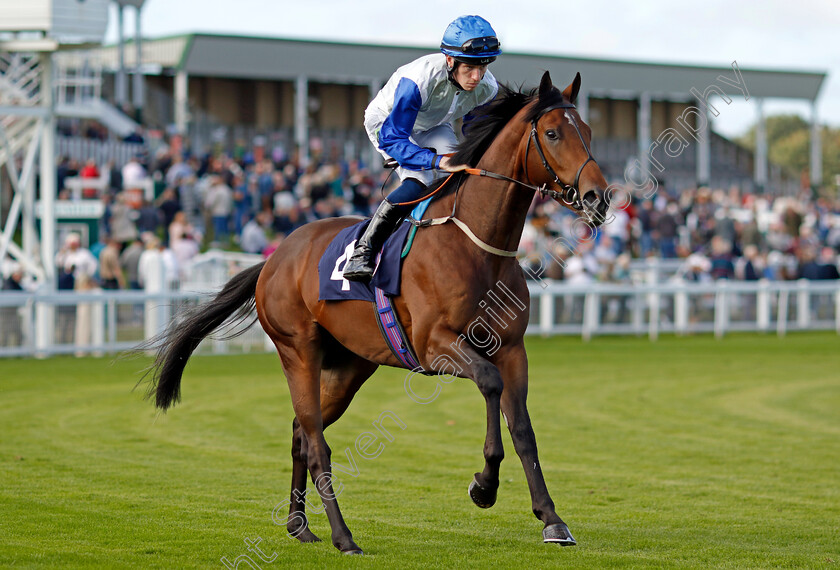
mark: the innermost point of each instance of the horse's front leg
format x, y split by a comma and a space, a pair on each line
487, 377
514, 365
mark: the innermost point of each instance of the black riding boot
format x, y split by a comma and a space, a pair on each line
362, 263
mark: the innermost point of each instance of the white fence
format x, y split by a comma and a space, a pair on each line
112, 321
684, 308
101, 322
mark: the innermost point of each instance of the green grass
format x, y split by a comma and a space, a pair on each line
688, 452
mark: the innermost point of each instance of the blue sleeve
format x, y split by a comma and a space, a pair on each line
393, 137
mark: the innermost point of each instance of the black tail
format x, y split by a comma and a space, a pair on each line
181, 338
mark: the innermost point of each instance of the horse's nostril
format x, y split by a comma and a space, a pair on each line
591, 198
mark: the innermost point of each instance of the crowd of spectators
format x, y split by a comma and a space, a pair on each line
715, 233
252, 202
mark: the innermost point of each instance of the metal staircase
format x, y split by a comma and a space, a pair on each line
78, 82
22, 121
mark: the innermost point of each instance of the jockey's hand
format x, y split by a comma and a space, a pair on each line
448, 166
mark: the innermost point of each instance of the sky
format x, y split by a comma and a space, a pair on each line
773, 34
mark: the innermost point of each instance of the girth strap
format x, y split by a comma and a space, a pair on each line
469, 233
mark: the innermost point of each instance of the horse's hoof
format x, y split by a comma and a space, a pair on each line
355, 551
558, 533
483, 498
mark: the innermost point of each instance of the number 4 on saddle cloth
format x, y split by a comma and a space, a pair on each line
384, 284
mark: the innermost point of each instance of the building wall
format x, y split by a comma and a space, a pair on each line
287, 104
658, 117
267, 112
221, 98
613, 118
623, 118
599, 117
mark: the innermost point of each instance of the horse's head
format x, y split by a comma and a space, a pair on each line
558, 151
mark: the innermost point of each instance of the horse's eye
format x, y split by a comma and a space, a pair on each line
551, 134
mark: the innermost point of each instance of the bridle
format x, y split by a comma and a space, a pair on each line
570, 194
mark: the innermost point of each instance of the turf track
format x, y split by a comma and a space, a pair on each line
688, 452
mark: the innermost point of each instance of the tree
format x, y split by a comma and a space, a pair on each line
789, 146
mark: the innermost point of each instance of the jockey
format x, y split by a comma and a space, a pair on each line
410, 120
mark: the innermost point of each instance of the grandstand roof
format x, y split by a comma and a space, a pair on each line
285, 59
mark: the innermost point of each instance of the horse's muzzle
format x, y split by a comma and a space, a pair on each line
595, 207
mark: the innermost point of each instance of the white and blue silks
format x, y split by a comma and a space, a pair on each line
415, 111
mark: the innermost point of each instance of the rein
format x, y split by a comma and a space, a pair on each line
570, 195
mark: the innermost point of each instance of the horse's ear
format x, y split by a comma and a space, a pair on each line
571, 92
545, 85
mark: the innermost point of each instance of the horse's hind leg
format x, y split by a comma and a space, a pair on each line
303, 379
338, 386
297, 524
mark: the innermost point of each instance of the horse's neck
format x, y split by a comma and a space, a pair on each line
496, 210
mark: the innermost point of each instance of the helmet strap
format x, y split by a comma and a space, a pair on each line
451, 73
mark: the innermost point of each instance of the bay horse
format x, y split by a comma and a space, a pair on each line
522, 143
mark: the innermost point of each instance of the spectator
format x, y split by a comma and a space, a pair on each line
179, 228
618, 230
86, 313
792, 221
169, 208
89, 172
122, 225
749, 267
135, 136
11, 330
157, 262
75, 259
133, 174
809, 268
76, 268
287, 214
219, 203
148, 218
110, 271
67, 168
254, 238
242, 206
647, 228
115, 183
184, 249
828, 264
697, 269
721, 259
666, 228
178, 172
129, 260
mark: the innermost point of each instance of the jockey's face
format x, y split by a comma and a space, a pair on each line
466, 75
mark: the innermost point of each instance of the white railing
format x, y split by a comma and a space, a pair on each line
101, 322
683, 308
211, 270
113, 321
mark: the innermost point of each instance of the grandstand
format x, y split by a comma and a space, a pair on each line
224, 89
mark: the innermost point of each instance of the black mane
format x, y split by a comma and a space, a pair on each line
484, 123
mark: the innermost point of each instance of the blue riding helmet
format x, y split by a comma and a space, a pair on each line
471, 39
